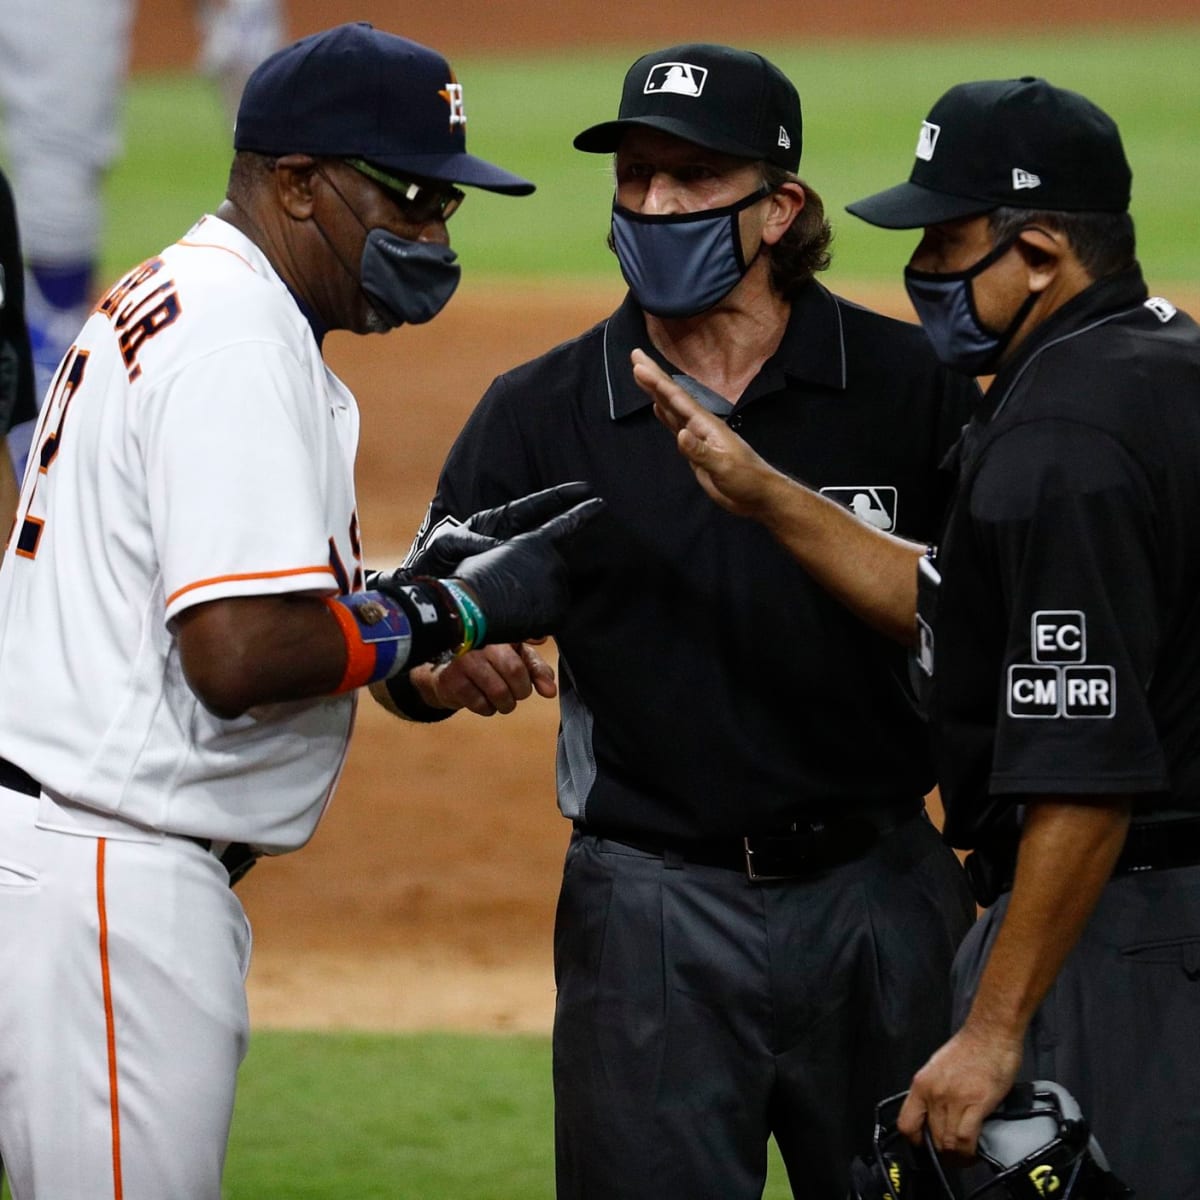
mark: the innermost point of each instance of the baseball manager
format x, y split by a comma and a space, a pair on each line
183, 621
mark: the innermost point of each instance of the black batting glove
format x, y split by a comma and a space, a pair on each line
521, 585
452, 541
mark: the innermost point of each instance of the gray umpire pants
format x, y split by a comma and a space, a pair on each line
1120, 1028
699, 1013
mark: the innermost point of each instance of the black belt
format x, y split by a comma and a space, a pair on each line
805, 849
237, 858
1151, 846
16, 780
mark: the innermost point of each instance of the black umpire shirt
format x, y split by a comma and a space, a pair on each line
1067, 630
17, 395
708, 686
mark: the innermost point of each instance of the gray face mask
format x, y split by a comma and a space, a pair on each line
945, 304
407, 282
681, 264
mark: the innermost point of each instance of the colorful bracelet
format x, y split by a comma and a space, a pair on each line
474, 623
378, 637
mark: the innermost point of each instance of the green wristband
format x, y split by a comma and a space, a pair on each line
474, 623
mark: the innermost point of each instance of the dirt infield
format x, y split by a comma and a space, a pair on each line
165, 36
426, 898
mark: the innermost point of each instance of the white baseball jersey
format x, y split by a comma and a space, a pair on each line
194, 446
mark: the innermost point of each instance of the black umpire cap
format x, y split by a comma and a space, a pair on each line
734, 101
1018, 143
356, 92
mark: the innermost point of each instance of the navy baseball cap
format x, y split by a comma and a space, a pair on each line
356, 92
1018, 143
729, 100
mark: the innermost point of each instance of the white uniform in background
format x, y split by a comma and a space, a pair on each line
63, 66
194, 446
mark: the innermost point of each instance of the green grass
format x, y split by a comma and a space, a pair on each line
430, 1117
863, 103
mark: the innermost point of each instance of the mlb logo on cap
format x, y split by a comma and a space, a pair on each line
681, 78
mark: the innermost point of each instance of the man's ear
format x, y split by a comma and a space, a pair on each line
787, 203
1044, 252
294, 174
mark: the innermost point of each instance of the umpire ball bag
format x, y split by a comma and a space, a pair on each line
1035, 1146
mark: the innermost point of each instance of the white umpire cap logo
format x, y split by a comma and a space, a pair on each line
683, 79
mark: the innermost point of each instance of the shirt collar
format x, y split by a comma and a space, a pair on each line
1102, 300
213, 231
813, 350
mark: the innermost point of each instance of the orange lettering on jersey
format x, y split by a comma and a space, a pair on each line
121, 289
165, 313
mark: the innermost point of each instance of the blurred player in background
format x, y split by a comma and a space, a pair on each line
62, 131
16, 369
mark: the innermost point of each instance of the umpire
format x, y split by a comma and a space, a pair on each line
756, 920
1063, 637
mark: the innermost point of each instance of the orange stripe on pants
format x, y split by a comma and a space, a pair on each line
109, 1024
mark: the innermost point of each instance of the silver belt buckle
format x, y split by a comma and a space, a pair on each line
752, 872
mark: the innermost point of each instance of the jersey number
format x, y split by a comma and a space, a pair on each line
66, 385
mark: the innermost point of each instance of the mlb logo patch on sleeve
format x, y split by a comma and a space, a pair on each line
872, 503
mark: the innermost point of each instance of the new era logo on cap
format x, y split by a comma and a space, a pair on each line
784, 140
927, 140
681, 79
1024, 179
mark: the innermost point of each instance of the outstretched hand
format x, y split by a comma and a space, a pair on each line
728, 470
452, 541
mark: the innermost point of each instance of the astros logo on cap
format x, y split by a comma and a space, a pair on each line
453, 96
681, 78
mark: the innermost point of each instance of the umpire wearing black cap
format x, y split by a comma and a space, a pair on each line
1066, 687
756, 920
1056, 624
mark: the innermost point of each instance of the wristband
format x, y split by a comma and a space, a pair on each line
378, 637
474, 623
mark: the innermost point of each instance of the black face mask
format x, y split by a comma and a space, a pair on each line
683, 263
946, 306
407, 282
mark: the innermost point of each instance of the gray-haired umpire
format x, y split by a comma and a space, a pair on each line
1066, 631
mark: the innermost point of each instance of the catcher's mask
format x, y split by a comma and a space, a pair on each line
1035, 1146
